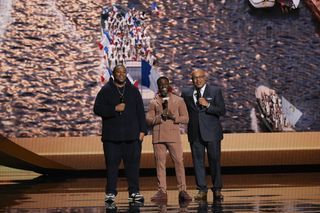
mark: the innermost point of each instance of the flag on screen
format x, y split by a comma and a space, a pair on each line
154, 6
149, 76
291, 113
104, 43
108, 36
106, 75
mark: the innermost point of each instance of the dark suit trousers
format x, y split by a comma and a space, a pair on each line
130, 153
198, 156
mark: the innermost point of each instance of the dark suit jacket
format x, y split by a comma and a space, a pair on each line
206, 118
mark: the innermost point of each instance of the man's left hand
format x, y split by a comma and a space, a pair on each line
171, 115
203, 102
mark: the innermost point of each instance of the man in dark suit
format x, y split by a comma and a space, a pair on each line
205, 105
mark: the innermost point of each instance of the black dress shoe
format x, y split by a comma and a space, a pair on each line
184, 196
217, 196
160, 197
217, 207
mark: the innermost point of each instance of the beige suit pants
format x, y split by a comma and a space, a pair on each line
176, 154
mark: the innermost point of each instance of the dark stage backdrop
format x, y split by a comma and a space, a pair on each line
50, 62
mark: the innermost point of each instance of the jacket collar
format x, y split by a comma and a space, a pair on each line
159, 99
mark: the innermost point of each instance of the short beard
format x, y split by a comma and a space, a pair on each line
165, 94
120, 83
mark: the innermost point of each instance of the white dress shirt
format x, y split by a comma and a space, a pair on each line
195, 93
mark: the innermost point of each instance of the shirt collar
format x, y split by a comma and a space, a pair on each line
201, 90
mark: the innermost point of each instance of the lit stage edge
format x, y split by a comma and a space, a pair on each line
85, 153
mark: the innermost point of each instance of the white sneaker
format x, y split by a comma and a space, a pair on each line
111, 205
110, 197
136, 197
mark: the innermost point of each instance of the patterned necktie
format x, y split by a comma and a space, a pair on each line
198, 95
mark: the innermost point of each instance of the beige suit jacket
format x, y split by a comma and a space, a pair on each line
169, 130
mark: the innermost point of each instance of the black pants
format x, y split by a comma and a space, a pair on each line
129, 152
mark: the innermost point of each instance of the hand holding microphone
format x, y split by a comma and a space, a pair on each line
164, 114
203, 102
121, 106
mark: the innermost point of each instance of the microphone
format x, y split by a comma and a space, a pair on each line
121, 99
165, 104
165, 108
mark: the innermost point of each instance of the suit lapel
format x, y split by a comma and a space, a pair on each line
191, 100
206, 92
159, 101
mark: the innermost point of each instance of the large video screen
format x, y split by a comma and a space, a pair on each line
53, 56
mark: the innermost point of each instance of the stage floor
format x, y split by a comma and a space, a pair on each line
276, 192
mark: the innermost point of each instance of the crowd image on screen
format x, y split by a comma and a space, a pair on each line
271, 106
125, 37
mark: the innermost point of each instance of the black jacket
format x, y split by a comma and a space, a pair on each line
125, 126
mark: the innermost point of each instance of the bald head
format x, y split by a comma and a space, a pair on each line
198, 72
199, 78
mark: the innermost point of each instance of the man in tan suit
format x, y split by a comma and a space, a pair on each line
166, 112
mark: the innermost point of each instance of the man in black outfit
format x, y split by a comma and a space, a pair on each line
205, 105
120, 106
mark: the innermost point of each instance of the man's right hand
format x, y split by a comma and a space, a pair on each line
120, 107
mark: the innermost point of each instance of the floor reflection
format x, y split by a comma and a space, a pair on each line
291, 192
